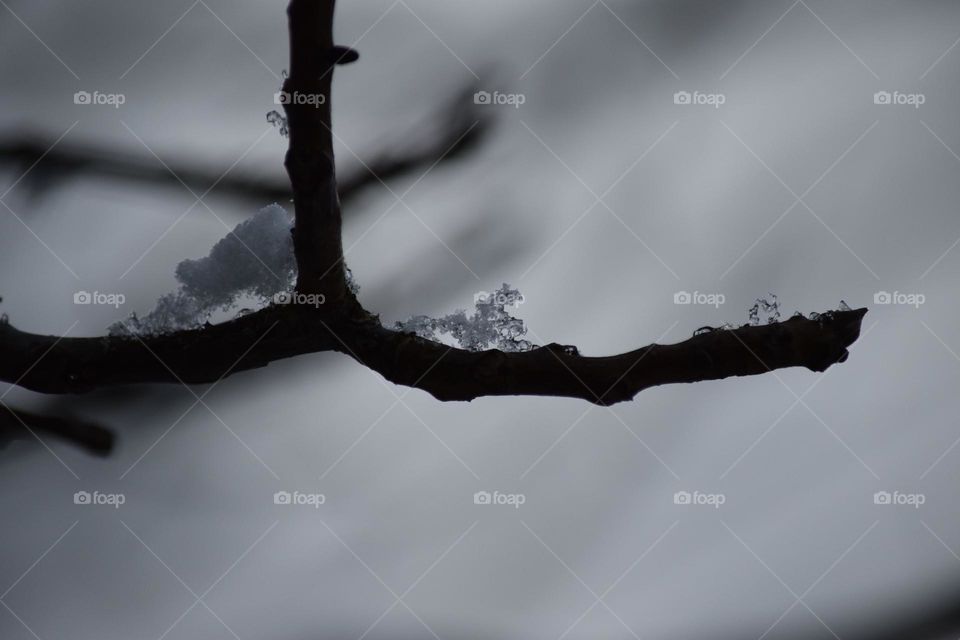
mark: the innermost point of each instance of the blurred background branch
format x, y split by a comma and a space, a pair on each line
457, 128
16, 424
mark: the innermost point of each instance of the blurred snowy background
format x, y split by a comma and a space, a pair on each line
599, 198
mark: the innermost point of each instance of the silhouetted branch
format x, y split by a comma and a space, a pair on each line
558, 370
77, 365
317, 238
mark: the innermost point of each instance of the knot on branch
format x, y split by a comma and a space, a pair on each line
340, 55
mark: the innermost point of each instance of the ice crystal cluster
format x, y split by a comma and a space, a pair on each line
827, 314
254, 261
765, 311
276, 118
491, 326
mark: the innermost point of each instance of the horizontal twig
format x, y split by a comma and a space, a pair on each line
49, 364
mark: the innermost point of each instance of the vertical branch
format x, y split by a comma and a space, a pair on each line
309, 161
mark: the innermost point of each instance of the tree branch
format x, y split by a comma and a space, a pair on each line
309, 162
75, 365
557, 370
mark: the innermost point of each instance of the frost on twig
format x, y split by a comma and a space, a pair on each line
278, 120
490, 327
255, 260
765, 311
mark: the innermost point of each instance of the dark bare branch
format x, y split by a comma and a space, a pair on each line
310, 163
76, 365
557, 370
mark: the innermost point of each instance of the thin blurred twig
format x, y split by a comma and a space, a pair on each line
16, 424
457, 128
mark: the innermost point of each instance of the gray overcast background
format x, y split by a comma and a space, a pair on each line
708, 203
